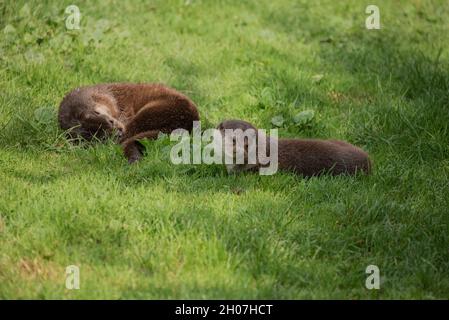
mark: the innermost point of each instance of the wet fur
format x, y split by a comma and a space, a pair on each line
309, 157
133, 111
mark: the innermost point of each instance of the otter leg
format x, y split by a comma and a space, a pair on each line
163, 115
133, 149
168, 114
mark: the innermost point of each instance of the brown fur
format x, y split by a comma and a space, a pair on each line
133, 111
310, 157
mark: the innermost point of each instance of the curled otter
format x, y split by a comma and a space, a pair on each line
131, 111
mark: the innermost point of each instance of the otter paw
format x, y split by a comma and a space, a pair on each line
134, 158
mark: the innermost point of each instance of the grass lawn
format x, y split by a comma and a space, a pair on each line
159, 230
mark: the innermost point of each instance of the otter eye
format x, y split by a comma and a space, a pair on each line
97, 113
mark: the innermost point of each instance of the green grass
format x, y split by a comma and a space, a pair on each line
156, 230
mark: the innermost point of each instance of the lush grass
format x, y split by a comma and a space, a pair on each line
156, 230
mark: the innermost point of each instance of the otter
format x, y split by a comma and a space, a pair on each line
306, 157
127, 110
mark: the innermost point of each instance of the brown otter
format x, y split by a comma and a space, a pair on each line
133, 111
307, 157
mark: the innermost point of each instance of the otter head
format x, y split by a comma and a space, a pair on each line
87, 119
239, 141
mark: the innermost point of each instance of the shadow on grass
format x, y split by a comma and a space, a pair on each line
410, 113
406, 88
